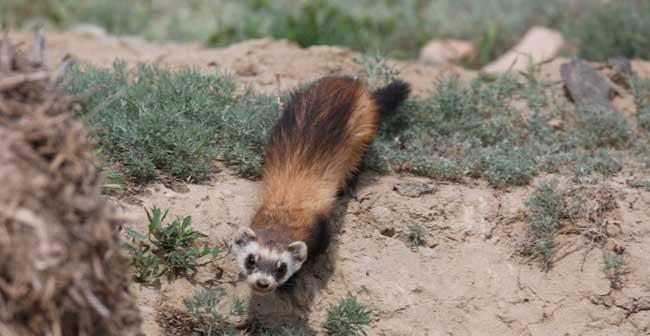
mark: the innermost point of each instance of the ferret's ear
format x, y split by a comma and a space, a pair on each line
298, 251
244, 236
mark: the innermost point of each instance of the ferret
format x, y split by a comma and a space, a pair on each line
313, 152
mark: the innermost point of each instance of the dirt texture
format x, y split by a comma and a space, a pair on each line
62, 269
469, 278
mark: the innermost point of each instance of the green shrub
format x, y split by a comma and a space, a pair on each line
171, 249
174, 122
619, 28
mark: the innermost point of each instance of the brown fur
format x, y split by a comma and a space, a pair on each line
316, 145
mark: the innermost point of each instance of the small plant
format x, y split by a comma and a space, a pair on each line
602, 127
598, 162
171, 249
376, 70
546, 208
147, 265
114, 179
641, 90
347, 318
509, 166
206, 305
614, 269
416, 234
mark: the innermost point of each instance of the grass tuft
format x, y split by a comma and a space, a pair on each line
416, 234
376, 70
602, 127
347, 318
206, 305
614, 269
546, 209
641, 90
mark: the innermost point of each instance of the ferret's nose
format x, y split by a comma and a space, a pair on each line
262, 284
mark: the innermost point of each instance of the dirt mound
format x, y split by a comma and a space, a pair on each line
253, 63
61, 269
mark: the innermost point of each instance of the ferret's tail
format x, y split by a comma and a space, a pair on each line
391, 96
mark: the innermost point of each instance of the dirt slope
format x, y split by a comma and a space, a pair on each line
469, 279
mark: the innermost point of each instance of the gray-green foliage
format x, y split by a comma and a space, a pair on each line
207, 308
348, 317
602, 126
376, 70
619, 28
174, 122
546, 208
614, 269
158, 121
461, 130
641, 90
416, 234
600, 161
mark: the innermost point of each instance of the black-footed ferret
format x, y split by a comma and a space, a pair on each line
317, 144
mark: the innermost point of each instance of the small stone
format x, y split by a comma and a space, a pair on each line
538, 44
556, 123
383, 220
585, 86
411, 189
89, 30
446, 51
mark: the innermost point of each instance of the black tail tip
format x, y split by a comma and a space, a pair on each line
392, 95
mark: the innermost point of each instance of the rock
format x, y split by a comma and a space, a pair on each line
538, 44
586, 86
556, 123
622, 70
411, 189
382, 218
445, 51
621, 65
90, 30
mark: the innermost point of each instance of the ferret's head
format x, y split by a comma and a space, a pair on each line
267, 268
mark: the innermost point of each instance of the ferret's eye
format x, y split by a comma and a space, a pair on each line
250, 261
282, 269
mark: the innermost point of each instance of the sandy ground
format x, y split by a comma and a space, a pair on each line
470, 277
